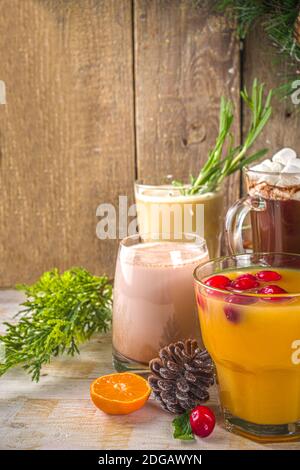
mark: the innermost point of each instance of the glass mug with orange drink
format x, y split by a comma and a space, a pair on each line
249, 310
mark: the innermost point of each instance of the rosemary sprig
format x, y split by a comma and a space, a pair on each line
60, 312
225, 158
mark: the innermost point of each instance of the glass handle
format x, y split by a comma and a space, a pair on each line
235, 219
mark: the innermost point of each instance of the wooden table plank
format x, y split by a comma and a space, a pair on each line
57, 413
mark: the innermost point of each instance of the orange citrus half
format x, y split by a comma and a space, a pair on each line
120, 394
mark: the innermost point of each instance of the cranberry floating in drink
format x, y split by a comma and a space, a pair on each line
267, 276
232, 313
245, 283
273, 289
240, 299
221, 282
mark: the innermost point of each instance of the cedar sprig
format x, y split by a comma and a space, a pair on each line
278, 19
246, 12
60, 312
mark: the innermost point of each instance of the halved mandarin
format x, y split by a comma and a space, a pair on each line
120, 393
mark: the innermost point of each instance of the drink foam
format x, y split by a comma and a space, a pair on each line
164, 254
277, 178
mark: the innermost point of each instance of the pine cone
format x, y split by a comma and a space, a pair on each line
297, 30
181, 376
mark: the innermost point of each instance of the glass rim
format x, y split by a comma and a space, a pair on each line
152, 235
141, 183
167, 186
248, 169
243, 293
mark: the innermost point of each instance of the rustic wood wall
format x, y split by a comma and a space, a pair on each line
260, 61
100, 92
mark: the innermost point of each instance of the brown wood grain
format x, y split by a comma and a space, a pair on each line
89, 85
66, 132
186, 57
262, 61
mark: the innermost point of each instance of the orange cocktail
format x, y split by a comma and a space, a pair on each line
249, 309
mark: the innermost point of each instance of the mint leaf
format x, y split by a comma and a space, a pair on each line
182, 428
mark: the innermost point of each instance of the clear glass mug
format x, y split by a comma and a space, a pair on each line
255, 345
153, 302
163, 208
274, 211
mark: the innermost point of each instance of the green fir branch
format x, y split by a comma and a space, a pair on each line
277, 18
60, 312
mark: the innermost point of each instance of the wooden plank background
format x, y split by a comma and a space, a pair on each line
67, 139
100, 92
259, 61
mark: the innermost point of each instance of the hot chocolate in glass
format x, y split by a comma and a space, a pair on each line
273, 201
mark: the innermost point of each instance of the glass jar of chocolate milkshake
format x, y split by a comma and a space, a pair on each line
273, 202
153, 301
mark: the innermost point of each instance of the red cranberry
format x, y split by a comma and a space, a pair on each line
273, 289
247, 276
268, 276
218, 281
244, 283
202, 421
240, 299
232, 314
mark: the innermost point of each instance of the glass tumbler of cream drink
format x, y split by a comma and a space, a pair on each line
166, 209
154, 301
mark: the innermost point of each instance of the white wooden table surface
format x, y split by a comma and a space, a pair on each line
57, 412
